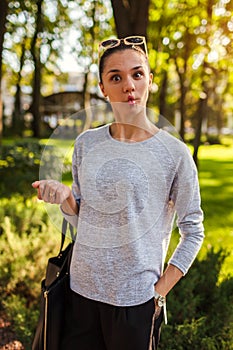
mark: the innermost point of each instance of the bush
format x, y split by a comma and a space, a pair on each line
200, 309
20, 164
24, 250
24, 228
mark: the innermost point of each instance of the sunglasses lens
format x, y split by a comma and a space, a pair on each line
134, 40
109, 43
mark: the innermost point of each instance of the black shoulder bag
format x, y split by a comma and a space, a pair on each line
54, 289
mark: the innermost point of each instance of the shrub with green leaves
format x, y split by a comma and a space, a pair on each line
200, 308
27, 239
20, 164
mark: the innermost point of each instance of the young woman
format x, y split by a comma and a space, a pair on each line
129, 179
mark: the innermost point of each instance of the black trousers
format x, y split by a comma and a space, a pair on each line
92, 325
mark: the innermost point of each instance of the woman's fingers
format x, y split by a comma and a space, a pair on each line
62, 192
36, 185
52, 191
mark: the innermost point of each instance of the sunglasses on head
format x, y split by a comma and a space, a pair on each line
134, 41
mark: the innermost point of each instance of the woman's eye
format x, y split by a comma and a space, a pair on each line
116, 78
138, 74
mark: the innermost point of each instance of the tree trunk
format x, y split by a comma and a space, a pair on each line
36, 99
16, 116
87, 104
162, 95
17, 120
35, 51
3, 14
183, 92
200, 116
131, 17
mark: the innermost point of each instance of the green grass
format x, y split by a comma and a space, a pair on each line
216, 182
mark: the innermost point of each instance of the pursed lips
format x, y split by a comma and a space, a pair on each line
131, 100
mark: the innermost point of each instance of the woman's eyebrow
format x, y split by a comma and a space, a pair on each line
113, 71
118, 70
138, 67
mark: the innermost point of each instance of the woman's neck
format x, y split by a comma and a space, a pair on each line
133, 133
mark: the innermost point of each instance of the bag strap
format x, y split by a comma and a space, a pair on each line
63, 233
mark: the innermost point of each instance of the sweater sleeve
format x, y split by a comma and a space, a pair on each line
73, 219
185, 195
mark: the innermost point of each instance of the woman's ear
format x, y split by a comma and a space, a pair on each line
102, 89
150, 80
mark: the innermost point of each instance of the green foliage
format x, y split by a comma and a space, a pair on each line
27, 239
23, 318
216, 181
194, 63
200, 310
20, 164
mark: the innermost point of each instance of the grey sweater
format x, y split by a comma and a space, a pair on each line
128, 195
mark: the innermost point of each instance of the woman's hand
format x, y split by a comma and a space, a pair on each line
52, 191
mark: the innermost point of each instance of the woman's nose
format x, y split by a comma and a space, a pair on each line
129, 85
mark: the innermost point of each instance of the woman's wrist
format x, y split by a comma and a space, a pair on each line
168, 280
69, 206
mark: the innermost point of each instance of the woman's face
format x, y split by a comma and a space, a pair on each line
126, 78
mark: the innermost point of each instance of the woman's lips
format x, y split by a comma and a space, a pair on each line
131, 100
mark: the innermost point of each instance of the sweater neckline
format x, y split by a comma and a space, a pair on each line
148, 140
